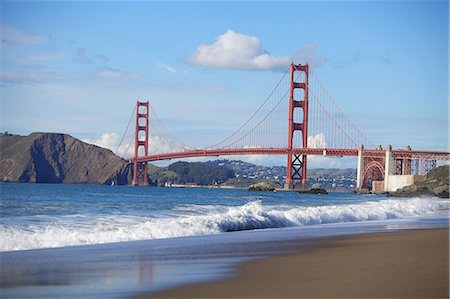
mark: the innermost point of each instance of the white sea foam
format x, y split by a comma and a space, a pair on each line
201, 220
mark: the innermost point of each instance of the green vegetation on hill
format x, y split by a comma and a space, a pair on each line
189, 173
200, 173
158, 176
241, 174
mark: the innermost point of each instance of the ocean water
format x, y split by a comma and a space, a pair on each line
85, 241
34, 216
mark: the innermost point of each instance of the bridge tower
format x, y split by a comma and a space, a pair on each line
296, 164
140, 141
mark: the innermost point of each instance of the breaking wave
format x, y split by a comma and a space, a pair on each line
195, 220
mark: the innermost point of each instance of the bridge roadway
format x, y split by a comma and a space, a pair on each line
328, 152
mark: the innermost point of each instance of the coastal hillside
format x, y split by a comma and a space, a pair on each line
246, 174
197, 173
240, 174
59, 158
436, 184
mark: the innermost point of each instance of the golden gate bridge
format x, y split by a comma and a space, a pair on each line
315, 126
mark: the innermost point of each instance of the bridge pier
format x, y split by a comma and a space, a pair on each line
360, 168
389, 167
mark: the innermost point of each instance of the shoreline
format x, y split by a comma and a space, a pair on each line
402, 264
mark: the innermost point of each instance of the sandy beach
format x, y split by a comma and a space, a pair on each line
409, 264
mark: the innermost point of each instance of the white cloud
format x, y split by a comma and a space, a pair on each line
107, 140
331, 162
317, 141
156, 145
233, 50
308, 54
111, 141
15, 36
110, 73
167, 68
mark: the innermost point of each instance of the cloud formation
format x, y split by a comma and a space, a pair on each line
167, 68
317, 141
107, 140
156, 145
13, 36
111, 141
233, 50
308, 53
110, 73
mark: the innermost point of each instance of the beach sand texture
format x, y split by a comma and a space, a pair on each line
411, 264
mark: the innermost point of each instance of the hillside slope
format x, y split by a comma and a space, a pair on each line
436, 184
59, 158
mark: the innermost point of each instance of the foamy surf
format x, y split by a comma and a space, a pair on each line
194, 220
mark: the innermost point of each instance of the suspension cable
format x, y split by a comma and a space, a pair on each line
168, 131
339, 109
251, 117
267, 115
126, 130
129, 144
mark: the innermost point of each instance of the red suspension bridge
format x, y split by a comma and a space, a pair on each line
315, 126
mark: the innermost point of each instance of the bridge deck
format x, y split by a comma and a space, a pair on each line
331, 152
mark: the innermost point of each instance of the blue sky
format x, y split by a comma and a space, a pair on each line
79, 67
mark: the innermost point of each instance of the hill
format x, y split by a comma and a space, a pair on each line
59, 158
189, 173
246, 174
239, 174
435, 184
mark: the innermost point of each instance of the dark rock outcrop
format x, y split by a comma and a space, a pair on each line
436, 184
314, 191
59, 158
261, 186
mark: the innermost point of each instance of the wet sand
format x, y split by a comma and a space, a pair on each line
410, 264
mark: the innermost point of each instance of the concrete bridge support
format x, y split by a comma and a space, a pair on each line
389, 168
360, 168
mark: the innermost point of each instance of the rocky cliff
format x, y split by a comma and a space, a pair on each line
59, 158
436, 184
